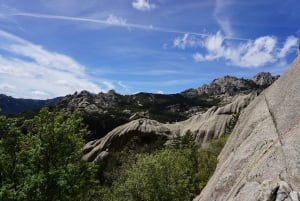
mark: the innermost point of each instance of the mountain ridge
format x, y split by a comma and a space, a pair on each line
13, 106
103, 112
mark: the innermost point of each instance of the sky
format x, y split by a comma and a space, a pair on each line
51, 48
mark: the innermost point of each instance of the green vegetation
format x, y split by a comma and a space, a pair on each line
40, 160
177, 172
162, 176
158, 105
208, 159
45, 163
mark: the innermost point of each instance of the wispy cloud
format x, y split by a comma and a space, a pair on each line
113, 20
125, 87
143, 5
290, 42
222, 18
252, 54
30, 71
186, 41
108, 84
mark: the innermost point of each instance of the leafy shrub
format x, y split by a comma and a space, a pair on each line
44, 164
178, 172
162, 176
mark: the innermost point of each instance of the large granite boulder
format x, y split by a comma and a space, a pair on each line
261, 160
214, 122
98, 149
203, 127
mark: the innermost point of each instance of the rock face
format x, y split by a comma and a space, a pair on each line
97, 149
89, 102
203, 127
215, 122
264, 79
261, 160
232, 86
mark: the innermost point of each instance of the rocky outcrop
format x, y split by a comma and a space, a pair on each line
89, 102
203, 127
213, 123
97, 149
186, 103
264, 79
232, 86
261, 160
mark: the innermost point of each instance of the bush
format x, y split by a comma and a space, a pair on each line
162, 176
178, 172
45, 163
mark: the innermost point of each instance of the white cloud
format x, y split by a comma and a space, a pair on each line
28, 70
186, 41
289, 44
39, 94
143, 5
125, 87
222, 18
251, 54
198, 57
7, 88
160, 92
108, 85
45, 58
114, 20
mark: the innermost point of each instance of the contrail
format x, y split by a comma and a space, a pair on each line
120, 24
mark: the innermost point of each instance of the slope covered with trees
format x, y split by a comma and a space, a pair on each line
41, 160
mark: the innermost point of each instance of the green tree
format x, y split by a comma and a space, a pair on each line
47, 163
207, 160
162, 176
10, 171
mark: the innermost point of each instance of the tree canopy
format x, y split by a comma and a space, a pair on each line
44, 164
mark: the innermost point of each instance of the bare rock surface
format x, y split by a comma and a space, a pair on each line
213, 123
203, 127
264, 79
229, 86
98, 149
261, 160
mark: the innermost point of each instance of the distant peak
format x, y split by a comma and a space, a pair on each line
85, 93
264, 79
112, 91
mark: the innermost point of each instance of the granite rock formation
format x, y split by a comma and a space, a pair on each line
203, 127
261, 160
229, 86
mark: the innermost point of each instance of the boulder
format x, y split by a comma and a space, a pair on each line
261, 160
98, 149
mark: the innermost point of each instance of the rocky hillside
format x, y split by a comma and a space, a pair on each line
261, 159
231, 86
203, 127
105, 111
10, 105
201, 98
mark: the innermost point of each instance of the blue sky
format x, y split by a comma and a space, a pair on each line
51, 48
